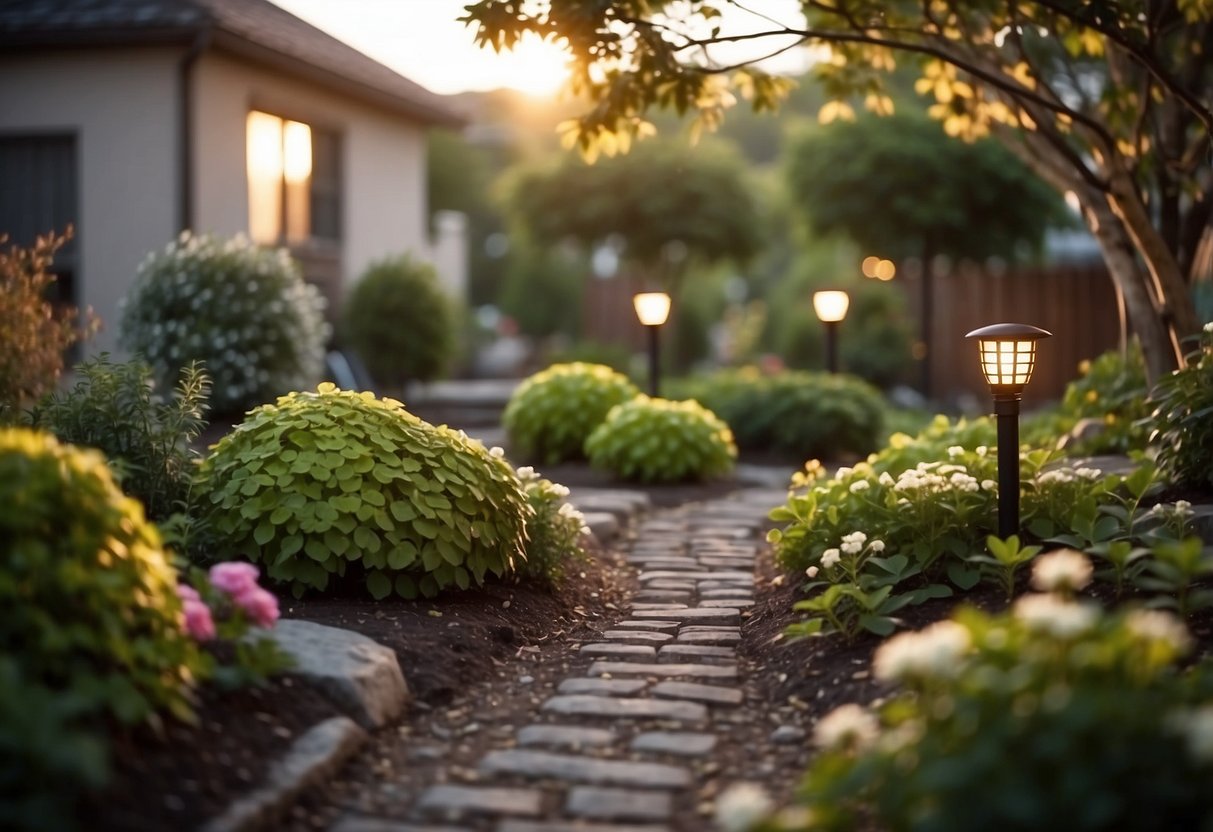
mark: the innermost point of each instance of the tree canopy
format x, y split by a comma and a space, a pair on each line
1112, 101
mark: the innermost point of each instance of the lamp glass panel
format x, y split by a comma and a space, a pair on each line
652, 308
1007, 363
831, 306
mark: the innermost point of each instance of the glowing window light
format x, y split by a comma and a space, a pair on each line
296, 151
1007, 353
265, 167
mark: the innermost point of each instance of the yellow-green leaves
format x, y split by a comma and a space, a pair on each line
657, 440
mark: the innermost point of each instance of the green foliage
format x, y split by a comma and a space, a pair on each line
1004, 560
1054, 716
33, 336
337, 484
615, 356
555, 531
1112, 390
242, 311
541, 290
798, 414
1181, 424
552, 412
657, 440
115, 409
400, 321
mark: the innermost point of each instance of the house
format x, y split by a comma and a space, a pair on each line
135, 119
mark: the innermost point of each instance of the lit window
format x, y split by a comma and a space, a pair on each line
289, 200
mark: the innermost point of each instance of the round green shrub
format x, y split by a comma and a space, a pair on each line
342, 484
802, 415
1181, 425
90, 600
657, 440
400, 322
552, 412
244, 312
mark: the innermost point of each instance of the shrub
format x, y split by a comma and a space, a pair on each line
115, 409
555, 531
1053, 716
552, 412
342, 484
242, 311
657, 440
798, 414
400, 322
1181, 424
33, 337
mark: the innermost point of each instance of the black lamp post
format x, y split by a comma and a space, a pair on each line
652, 308
831, 308
1008, 356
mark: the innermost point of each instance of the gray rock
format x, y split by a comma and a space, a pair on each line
599, 803
730, 592
604, 526
314, 756
735, 603
623, 708
730, 616
639, 651
585, 769
574, 826
683, 743
667, 671
787, 734
639, 636
709, 653
454, 801
569, 736
367, 824
653, 624
359, 676
678, 575
603, 687
709, 638
694, 692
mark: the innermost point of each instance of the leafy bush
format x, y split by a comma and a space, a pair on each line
555, 531
89, 594
1181, 424
115, 409
1111, 391
33, 337
242, 311
799, 414
400, 321
341, 484
657, 440
1052, 716
552, 412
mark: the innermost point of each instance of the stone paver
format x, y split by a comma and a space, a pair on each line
573, 826
672, 670
703, 615
455, 801
571, 736
582, 704
682, 743
654, 624
545, 764
709, 638
694, 692
603, 687
639, 651
600, 803
640, 636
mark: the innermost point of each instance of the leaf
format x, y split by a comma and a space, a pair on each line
964, 577
264, 533
378, 584
878, 624
316, 550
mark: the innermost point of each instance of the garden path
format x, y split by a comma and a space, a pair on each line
628, 737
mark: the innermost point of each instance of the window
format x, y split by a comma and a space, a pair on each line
38, 195
293, 181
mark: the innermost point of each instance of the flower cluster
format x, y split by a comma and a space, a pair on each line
933, 652
555, 532
233, 592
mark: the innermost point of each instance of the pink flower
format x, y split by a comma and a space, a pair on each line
234, 577
198, 621
187, 593
260, 606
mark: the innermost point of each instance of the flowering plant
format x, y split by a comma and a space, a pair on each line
224, 606
1180, 427
1052, 710
555, 532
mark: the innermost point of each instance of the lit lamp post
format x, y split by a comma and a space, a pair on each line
831, 307
1008, 355
652, 308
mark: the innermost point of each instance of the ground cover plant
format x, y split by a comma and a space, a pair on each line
242, 311
795, 414
342, 486
552, 413
658, 440
400, 321
1182, 418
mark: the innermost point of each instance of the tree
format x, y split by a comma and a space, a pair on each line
662, 208
1108, 100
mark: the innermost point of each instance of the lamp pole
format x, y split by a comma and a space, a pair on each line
654, 359
652, 309
831, 346
1008, 356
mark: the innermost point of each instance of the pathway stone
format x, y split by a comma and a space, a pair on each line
641, 651
573, 826
709, 638
709, 671
694, 692
640, 636
703, 615
706, 653
455, 801
603, 687
682, 743
571, 736
545, 764
618, 804
582, 704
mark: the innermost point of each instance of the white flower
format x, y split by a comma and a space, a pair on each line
830, 557
1209, 327
811, 571
1183, 507
1062, 569
852, 548
854, 537
1196, 727
497, 452
843, 473
955, 451
876, 546
1156, 625
1055, 616
849, 724
1089, 473
526, 472
559, 490
981, 450
885, 479
989, 485
860, 485
741, 806
934, 651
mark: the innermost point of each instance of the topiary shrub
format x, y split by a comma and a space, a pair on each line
400, 321
244, 312
115, 409
795, 414
1181, 425
33, 337
552, 412
657, 440
336, 484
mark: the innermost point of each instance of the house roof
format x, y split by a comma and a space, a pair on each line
257, 30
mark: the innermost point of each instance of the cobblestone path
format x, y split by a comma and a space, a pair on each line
622, 743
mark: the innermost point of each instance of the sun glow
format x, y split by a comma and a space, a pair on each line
533, 66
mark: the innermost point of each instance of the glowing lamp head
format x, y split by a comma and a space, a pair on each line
1008, 355
652, 308
831, 306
